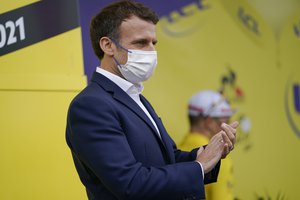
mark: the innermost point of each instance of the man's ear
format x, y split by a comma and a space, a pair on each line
106, 45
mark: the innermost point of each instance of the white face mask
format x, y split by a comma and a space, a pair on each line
140, 65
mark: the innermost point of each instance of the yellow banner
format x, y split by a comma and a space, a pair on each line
40, 72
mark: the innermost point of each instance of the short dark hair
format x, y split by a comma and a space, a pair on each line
108, 20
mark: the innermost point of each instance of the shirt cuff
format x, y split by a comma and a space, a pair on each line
201, 168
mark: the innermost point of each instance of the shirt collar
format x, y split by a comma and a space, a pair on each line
125, 85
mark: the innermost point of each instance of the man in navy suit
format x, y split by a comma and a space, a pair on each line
120, 147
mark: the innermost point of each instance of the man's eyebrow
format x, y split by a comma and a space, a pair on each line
142, 41
139, 41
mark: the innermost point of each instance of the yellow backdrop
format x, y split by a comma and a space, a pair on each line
37, 84
225, 45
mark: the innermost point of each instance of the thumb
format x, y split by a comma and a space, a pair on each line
200, 150
234, 124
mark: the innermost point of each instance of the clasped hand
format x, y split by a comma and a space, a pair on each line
218, 147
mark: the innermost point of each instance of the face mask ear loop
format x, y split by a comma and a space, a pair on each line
117, 62
119, 45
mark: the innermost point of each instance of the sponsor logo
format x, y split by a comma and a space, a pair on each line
248, 21
181, 18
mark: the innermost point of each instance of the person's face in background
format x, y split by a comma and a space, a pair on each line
136, 34
214, 124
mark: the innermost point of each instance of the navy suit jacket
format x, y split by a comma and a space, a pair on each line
118, 153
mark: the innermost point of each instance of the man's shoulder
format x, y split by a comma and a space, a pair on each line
92, 89
92, 93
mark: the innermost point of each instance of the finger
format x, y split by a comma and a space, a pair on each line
226, 140
230, 132
218, 139
226, 148
229, 128
216, 144
234, 124
226, 151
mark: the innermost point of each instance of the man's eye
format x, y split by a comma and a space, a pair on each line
141, 44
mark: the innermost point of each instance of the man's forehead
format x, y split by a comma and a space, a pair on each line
136, 22
137, 29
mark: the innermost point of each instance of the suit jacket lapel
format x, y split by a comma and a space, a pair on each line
168, 146
122, 97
